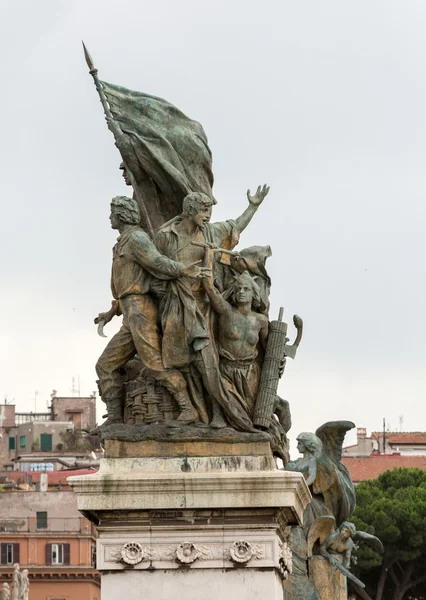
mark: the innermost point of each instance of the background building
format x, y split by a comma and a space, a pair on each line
383, 451
58, 438
405, 443
46, 534
40, 526
362, 468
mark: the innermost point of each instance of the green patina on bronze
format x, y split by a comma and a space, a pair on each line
194, 341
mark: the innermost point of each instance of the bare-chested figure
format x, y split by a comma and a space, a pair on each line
239, 331
339, 543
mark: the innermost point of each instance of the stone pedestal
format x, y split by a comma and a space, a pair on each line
192, 525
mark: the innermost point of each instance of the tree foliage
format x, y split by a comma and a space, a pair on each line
394, 505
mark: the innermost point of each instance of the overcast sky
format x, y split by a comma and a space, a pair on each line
325, 101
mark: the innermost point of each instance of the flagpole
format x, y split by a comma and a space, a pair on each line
94, 73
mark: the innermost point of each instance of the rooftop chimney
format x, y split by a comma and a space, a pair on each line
361, 433
364, 443
43, 481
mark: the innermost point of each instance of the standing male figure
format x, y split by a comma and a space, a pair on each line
178, 240
136, 263
175, 238
16, 582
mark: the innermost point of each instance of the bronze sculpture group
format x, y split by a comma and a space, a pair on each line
193, 347
196, 350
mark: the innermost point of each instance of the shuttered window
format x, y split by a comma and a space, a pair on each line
41, 520
46, 442
12, 443
9, 553
57, 554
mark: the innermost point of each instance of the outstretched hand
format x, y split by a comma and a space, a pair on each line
192, 270
259, 196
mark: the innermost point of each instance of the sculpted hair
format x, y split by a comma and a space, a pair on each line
244, 279
194, 201
347, 525
311, 442
126, 209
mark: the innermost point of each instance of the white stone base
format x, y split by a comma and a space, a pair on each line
200, 528
202, 584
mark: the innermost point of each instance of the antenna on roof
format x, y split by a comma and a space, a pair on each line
75, 388
401, 420
384, 435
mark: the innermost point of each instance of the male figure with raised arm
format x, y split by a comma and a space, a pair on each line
184, 238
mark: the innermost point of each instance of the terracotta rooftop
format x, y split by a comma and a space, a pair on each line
403, 437
53, 477
370, 467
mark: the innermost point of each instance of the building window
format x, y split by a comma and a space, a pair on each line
46, 442
22, 441
12, 443
41, 520
57, 554
9, 553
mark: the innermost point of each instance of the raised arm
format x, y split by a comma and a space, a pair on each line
219, 305
254, 203
125, 147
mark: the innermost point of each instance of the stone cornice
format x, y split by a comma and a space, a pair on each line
133, 490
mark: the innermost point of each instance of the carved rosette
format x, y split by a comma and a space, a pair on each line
187, 553
132, 553
241, 551
285, 561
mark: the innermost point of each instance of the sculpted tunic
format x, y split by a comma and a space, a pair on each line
185, 315
136, 262
224, 234
181, 317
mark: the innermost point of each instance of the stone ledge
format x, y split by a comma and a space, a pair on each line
118, 448
139, 490
129, 467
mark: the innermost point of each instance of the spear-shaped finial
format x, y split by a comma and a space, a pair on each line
89, 59
94, 73
101, 92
